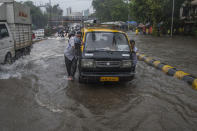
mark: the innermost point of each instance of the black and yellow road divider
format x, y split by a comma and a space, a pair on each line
169, 70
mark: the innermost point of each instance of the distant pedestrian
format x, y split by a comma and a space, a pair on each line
67, 32
136, 31
134, 51
144, 30
71, 34
61, 33
174, 31
147, 31
33, 36
168, 31
150, 30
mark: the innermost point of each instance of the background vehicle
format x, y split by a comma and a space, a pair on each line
39, 34
188, 15
106, 56
15, 30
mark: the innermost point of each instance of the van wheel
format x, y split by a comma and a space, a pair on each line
18, 55
25, 52
28, 50
8, 59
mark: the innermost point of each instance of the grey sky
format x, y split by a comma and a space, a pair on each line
77, 5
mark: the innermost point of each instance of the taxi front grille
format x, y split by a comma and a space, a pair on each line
107, 64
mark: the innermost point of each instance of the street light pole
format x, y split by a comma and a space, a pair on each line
128, 13
50, 15
172, 19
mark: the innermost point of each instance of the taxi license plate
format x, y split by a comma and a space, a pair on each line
102, 79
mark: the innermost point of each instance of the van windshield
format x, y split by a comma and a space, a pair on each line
106, 41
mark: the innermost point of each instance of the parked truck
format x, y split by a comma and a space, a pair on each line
15, 30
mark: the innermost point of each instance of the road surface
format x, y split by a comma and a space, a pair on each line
35, 95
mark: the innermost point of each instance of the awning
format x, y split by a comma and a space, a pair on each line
194, 2
132, 22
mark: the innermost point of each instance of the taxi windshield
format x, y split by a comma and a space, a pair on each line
106, 41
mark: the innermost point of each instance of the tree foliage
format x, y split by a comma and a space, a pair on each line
39, 19
55, 11
111, 10
153, 11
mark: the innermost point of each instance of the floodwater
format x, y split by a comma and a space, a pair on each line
179, 51
36, 96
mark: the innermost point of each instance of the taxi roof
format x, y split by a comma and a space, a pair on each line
101, 30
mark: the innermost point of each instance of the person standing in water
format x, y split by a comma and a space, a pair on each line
71, 54
134, 51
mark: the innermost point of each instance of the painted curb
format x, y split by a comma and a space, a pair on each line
194, 84
169, 70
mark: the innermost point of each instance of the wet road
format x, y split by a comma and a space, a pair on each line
179, 52
35, 96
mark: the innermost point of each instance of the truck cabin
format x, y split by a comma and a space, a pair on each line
3, 31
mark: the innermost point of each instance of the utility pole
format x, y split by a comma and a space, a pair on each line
50, 8
128, 13
172, 18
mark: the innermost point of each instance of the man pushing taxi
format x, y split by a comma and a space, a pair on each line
72, 53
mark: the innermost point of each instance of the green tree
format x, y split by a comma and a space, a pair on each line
139, 10
110, 10
55, 11
39, 19
154, 10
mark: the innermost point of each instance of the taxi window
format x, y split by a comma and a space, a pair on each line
106, 41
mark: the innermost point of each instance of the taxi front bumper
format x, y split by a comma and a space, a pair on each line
118, 77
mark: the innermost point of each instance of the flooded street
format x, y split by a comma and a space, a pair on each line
36, 96
179, 51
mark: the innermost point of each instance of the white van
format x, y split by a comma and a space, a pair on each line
6, 44
15, 30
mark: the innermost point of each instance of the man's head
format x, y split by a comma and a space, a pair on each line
78, 34
70, 35
132, 42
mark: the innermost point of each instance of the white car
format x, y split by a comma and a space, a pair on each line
39, 34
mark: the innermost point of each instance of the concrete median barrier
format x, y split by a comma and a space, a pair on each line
194, 84
169, 70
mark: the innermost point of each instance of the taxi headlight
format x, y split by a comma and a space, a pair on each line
87, 63
126, 63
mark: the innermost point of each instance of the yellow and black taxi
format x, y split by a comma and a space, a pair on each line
106, 56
